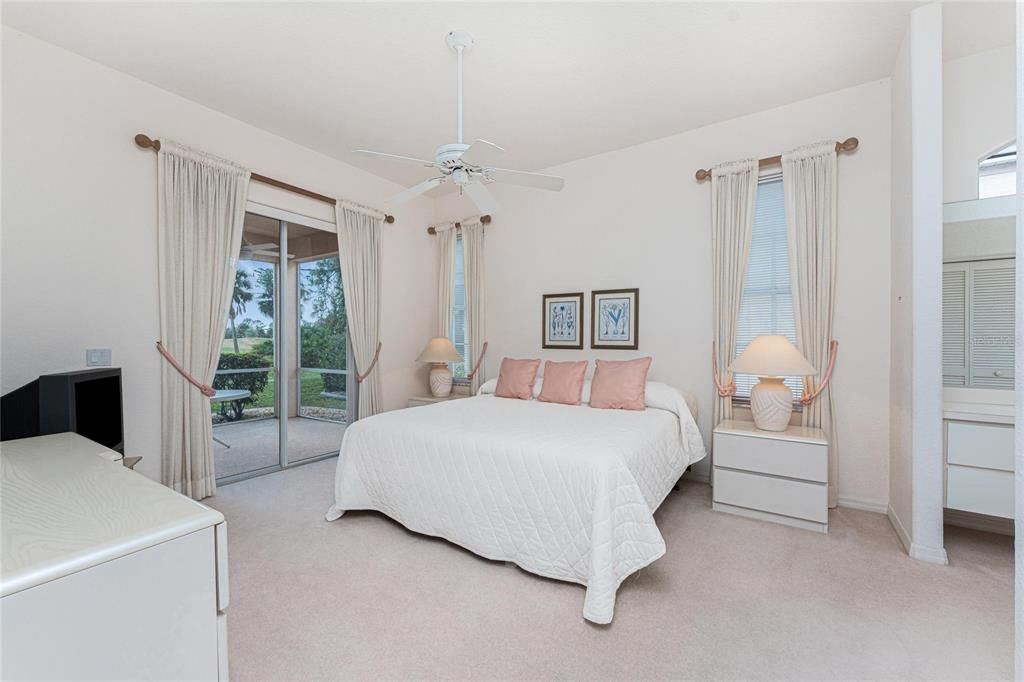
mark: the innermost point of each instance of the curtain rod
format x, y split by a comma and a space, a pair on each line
148, 143
847, 145
484, 220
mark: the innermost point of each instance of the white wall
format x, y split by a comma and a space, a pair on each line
79, 226
901, 343
637, 218
916, 461
978, 111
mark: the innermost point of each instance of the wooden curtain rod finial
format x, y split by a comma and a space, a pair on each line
484, 220
146, 142
389, 219
847, 145
703, 175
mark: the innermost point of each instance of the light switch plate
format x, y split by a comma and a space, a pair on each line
98, 357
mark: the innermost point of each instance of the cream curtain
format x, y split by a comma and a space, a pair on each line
476, 310
201, 204
446, 238
809, 184
733, 195
360, 248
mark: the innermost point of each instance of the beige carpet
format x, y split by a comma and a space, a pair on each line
733, 598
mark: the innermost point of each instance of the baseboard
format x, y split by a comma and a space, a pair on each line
864, 504
982, 522
931, 555
897, 525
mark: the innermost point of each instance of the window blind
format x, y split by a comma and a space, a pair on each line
458, 335
767, 306
978, 324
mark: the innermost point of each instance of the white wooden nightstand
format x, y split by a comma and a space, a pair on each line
417, 401
773, 476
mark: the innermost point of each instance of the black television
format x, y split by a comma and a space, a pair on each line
87, 402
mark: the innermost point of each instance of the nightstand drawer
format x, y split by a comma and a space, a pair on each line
982, 491
798, 499
807, 461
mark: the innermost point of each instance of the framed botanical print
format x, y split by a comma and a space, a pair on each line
563, 321
615, 319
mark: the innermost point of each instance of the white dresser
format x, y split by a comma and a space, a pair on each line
772, 476
105, 574
979, 468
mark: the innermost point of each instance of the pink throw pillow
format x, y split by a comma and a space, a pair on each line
516, 377
563, 382
620, 385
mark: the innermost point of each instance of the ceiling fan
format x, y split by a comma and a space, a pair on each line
468, 166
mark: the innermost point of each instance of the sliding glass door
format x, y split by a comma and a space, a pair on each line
283, 395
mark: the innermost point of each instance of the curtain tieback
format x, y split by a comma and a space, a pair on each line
208, 391
479, 361
723, 391
360, 378
833, 350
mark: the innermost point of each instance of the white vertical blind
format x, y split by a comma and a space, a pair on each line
767, 306
978, 324
459, 335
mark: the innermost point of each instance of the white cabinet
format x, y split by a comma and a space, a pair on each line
979, 468
773, 476
105, 574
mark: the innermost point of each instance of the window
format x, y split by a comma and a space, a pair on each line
767, 306
978, 324
997, 173
458, 335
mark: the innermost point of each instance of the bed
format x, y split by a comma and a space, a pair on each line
566, 492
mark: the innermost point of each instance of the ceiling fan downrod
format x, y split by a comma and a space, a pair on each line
460, 41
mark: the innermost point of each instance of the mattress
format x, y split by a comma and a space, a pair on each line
566, 492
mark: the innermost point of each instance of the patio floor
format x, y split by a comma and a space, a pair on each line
254, 443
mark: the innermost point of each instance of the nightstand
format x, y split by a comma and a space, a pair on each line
773, 476
417, 401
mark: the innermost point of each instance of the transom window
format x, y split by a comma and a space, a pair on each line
997, 173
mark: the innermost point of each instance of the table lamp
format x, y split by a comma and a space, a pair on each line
439, 352
771, 358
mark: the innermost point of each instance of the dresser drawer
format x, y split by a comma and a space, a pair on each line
798, 499
980, 445
982, 491
807, 461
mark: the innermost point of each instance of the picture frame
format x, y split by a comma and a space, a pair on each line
615, 319
562, 321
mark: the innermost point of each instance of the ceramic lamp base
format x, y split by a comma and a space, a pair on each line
771, 404
440, 380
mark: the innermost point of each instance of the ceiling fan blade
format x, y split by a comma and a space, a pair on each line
260, 247
396, 157
537, 180
481, 153
481, 196
416, 190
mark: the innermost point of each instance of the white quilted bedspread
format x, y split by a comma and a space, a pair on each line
567, 492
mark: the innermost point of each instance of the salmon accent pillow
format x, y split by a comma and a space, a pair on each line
620, 384
563, 382
516, 377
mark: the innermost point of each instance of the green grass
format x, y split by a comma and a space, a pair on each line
245, 343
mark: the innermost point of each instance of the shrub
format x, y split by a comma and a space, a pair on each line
254, 382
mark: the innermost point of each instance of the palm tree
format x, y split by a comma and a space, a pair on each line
241, 295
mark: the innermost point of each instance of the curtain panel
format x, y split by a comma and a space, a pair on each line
809, 184
476, 311
201, 212
733, 196
360, 235
446, 237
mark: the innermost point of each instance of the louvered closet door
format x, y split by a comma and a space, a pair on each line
954, 324
992, 323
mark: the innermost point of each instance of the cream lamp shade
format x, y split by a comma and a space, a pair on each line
771, 358
440, 351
